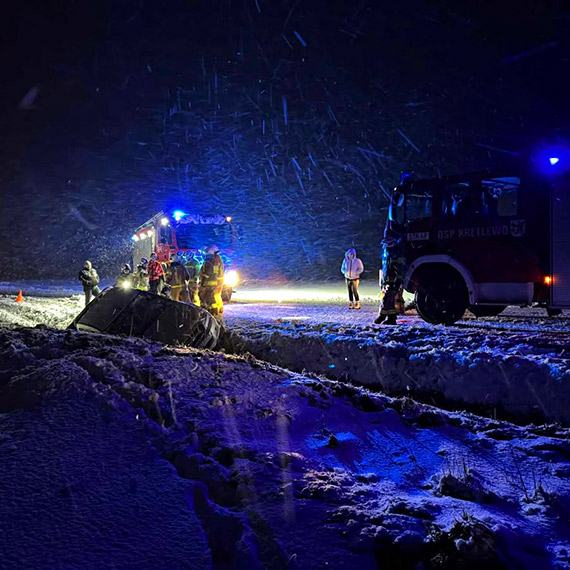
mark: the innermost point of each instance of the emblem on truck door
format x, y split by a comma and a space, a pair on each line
518, 228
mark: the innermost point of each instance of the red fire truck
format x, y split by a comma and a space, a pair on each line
166, 234
483, 241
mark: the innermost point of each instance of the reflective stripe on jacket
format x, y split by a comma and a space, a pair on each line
212, 272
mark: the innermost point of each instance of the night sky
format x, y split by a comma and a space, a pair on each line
293, 116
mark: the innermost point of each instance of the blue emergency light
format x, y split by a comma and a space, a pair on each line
552, 159
178, 214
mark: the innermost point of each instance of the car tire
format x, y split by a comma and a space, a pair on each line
441, 297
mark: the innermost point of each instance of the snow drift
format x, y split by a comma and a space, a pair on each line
523, 376
515, 367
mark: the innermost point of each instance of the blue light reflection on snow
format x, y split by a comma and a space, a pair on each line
398, 453
330, 456
319, 441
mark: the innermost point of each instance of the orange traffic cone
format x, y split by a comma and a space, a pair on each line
20, 297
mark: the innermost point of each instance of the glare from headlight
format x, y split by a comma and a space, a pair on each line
126, 285
231, 278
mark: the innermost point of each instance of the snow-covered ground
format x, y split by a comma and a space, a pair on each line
52, 311
517, 368
120, 453
45, 288
515, 365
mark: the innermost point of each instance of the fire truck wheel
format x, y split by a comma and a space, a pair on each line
441, 298
487, 310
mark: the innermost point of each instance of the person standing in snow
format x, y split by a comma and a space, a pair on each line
392, 303
177, 277
212, 282
155, 274
125, 278
192, 264
351, 268
90, 281
140, 280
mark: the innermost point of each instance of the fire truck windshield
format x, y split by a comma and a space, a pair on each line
200, 236
418, 206
410, 207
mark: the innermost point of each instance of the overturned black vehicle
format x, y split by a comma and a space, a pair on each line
142, 314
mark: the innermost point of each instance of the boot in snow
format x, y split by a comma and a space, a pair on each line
357, 306
391, 320
350, 305
379, 319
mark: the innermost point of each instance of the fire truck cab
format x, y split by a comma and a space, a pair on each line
166, 234
483, 241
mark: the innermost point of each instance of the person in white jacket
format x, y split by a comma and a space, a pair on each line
351, 268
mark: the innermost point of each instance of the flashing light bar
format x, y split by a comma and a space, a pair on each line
547, 280
164, 221
228, 218
553, 160
178, 215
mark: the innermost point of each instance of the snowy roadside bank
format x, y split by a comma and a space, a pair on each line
146, 456
526, 376
45, 288
56, 312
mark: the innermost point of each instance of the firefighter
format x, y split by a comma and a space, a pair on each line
155, 275
177, 277
212, 282
351, 268
140, 279
125, 278
90, 281
163, 286
392, 303
192, 264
